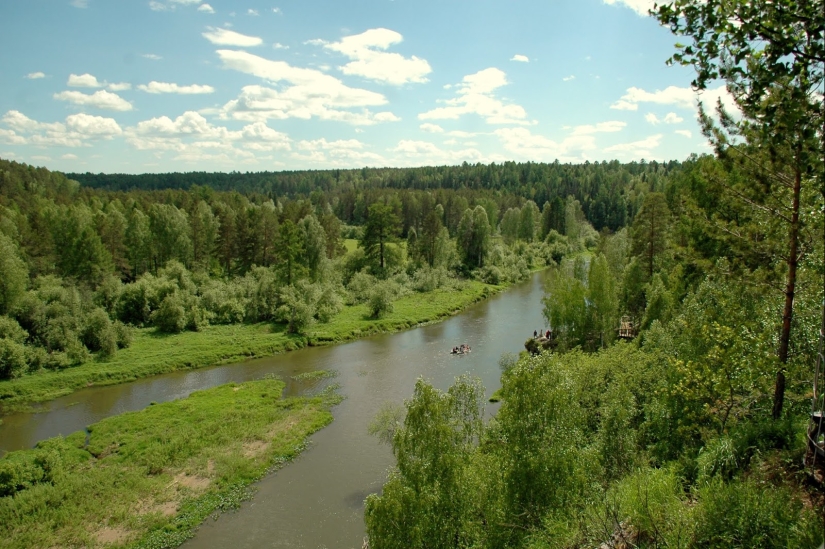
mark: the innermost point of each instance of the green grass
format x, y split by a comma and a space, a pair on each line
152, 353
147, 479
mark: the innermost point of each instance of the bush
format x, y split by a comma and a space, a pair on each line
360, 287
170, 316
98, 334
12, 359
123, 334
329, 304
10, 329
746, 514
380, 300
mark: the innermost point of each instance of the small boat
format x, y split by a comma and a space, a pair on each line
460, 350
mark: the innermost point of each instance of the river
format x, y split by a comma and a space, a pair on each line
318, 501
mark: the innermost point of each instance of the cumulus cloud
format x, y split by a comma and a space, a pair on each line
77, 130
522, 143
639, 6
206, 8
100, 100
93, 126
69, 156
670, 118
83, 81
431, 128
226, 37
417, 153
521, 58
686, 133
371, 61
637, 149
279, 46
253, 13
169, 87
568, 78
35, 75
684, 98
152, 56
119, 86
303, 93
475, 95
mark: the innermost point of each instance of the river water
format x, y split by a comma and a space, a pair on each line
318, 500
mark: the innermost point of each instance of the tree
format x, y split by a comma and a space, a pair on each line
649, 230
510, 225
771, 55
315, 245
381, 228
138, 242
290, 250
170, 234
529, 221
429, 234
14, 275
602, 298
204, 227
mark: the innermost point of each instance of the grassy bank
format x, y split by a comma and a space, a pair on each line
152, 353
147, 479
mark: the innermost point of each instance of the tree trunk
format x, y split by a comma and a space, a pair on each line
790, 288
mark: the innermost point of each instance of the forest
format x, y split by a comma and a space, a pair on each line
83, 267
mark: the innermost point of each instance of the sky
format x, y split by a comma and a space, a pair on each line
135, 86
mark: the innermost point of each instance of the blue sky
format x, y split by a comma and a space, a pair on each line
185, 85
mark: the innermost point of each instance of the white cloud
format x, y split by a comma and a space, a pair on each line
100, 99
35, 75
341, 152
93, 126
260, 137
431, 128
69, 156
82, 4
224, 37
169, 87
475, 96
521, 58
522, 143
569, 78
83, 81
78, 129
304, 93
10, 137
673, 118
369, 60
461, 133
684, 98
639, 6
637, 149
413, 152
119, 86
157, 6
670, 118
152, 56
602, 127
154, 5
686, 133
252, 12
279, 46
188, 124
206, 8
277, 10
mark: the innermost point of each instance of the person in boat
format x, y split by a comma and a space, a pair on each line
535, 334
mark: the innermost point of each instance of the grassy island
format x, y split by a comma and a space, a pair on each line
147, 479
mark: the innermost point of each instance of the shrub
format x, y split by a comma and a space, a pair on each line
380, 300
170, 316
10, 329
329, 303
98, 333
12, 359
123, 334
360, 286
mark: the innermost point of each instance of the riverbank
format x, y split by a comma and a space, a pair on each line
152, 353
147, 479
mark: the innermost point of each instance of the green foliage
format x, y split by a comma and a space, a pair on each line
13, 275
381, 296
11, 330
12, 359
170, 316
99, 334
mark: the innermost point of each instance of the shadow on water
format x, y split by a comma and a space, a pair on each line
317, 501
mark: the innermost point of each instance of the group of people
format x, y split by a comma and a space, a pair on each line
537, 334
463, 348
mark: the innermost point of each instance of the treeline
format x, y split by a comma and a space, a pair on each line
609, 192
81, 267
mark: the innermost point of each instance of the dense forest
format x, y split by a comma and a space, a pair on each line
84, 266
